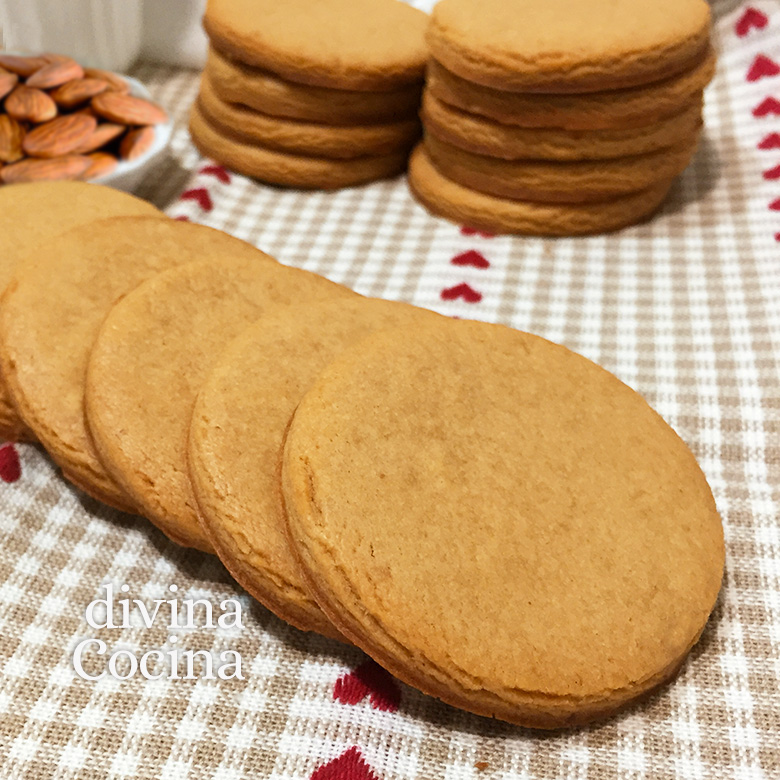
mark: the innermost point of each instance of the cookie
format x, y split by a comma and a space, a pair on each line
262, 90
153, 352
620, 108
306, 138
52, 310
500, 522
484, 136
237, 430
287, 169
345, 44
450, 200
560, 46
31, 214
559, 182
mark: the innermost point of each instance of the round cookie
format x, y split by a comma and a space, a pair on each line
346, 44
30, 214
618, 108
450, 200
287, 169
237, 431
560, 46
500, 522
559, 182
306, 138
238, 83
484, 136
153, 352
53, 308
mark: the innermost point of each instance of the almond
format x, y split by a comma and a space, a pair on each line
116, 84
30, 105
101, 164
102, 135
136, 143
22, 66
128, 110
11, 137
8, 81
55, 74
60, 136
77, 91
69, 167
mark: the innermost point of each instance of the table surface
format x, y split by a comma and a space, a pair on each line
685, 309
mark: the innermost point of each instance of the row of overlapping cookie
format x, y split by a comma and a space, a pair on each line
537, 117
495, 519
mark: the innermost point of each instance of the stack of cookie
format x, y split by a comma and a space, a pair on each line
559, 117
311, 95
495, 519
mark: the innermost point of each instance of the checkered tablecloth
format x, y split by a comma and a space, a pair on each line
686, 309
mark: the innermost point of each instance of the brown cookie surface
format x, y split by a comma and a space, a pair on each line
450, 200
500, 522
151, 356
560, 46
236, 435
53, 308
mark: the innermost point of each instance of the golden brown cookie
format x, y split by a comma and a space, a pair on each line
345, 44
500, 522
306, 138
560, 46
31, 214
285, 168
52, 310
459, 204
262, 90
618, 108
484, 136
559, 182
153, 352
236, 435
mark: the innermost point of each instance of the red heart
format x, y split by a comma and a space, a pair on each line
182, 218
752, 18
348, 766
218, 171
10, 467
772, 173
470, 231
472, 258
465, 291
775, 205
762, 66
777, 236
369, 679
767, 106
201, 195
772, 141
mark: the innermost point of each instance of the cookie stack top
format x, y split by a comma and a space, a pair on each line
560, 117
313, 96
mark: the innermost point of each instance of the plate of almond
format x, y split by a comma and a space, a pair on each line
59, 120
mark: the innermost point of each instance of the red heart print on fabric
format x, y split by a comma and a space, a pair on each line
369, 679
470, 231
752, 19
472, 258
762, 66
350, 765
10, 467
217, 171
775, 205
766, 107
464, 291
772, 173
201, 196
771, 141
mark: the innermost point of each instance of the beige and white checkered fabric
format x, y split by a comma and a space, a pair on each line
686, 309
